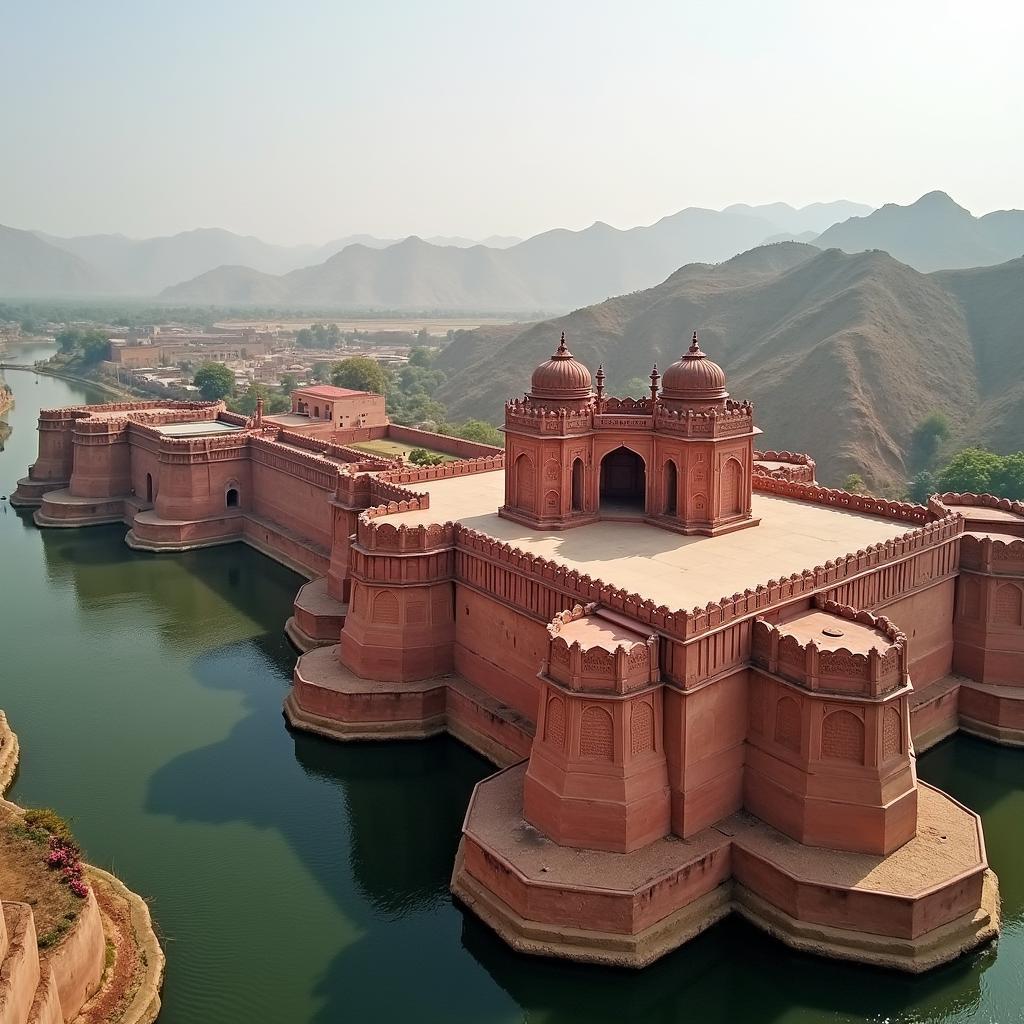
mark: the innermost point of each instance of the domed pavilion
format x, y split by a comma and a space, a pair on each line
682, 458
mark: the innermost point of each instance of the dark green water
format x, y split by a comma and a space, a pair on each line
295, 880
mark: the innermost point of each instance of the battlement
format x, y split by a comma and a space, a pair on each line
834, 649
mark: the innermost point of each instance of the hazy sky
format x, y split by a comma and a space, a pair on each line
303, 120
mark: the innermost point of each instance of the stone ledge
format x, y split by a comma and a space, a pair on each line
936, 947
582, 945
911, 910
332, 728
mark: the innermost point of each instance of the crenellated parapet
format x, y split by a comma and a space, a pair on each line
734, 419
795, 466
556, 582
628, 665
385, 537
993, 554
824, 664
833, 497
598, 775
523, 415
444, 470
314, 469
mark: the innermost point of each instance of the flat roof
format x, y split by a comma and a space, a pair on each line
197, 428
288, 419
668, 568
329, 391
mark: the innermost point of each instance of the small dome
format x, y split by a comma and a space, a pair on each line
694, 378
561, 377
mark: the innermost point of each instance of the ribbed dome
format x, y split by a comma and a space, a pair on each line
694, 378
562, 377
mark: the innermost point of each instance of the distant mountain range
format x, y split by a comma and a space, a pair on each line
932, 234
213, 266
558, 269
843, 355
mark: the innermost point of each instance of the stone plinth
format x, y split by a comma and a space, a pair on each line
317, 618
328, 699
911, 910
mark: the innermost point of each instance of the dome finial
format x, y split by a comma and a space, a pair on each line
562, 347
694, 345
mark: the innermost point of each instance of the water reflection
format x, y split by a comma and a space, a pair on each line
297, 879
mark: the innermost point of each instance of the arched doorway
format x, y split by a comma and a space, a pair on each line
149, 488
525, 484
577, 485
671, 491
732, 488
623, 482
231, 498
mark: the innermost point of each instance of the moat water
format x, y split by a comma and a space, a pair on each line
293, 879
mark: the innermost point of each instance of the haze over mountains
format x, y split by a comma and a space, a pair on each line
213, 266
557, 269
935, 233
843, 354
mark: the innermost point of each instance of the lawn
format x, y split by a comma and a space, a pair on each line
392, 448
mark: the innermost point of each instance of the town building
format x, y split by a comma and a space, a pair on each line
704, 678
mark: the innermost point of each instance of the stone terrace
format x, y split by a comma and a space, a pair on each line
669, 569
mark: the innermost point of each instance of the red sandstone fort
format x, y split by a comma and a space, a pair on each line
703, 677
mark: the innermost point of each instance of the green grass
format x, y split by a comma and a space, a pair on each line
392, 448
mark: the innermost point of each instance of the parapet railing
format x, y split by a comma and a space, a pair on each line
795, 466
903, 511
943, 503
366, 461
880, 670
444, 470
735, 418
990, 554
314, 469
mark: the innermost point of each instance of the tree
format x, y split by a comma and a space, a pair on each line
421, 357
94, 347
69, 340
306, 339
483, 433
1008, 480
272, 403
321, 371
214, 381
421, 457
361, 373
926, 440
289, 382
855, 483
971, 470
923, 486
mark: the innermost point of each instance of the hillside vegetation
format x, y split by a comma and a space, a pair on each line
843, 355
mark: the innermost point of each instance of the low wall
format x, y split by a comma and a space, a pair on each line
442, 442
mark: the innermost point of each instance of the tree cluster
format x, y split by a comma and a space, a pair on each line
319, 336
214, 381
88, 346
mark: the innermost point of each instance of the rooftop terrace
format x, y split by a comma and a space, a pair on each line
669, 569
